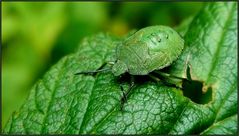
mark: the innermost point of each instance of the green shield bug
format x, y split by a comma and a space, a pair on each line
151, 48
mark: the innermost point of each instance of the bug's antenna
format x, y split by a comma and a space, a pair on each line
92, 72
95, 71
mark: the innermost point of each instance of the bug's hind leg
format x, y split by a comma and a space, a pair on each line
154, 78
125, 94
166, 81
163, 74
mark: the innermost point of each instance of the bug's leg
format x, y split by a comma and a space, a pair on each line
125, 94
168, 75
169, 80
132, 80
123, 98
154, 78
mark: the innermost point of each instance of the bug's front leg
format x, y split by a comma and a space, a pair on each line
125, 94
123, 98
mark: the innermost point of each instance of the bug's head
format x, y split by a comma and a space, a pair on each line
119, 68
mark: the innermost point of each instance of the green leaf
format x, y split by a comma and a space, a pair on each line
64, 103
226, 126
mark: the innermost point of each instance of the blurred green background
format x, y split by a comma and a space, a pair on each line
36, 35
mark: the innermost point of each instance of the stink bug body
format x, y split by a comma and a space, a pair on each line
151, 48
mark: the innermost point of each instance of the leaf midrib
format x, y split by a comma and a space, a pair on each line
214, 59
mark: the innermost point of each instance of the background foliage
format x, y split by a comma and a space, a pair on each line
36, 35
